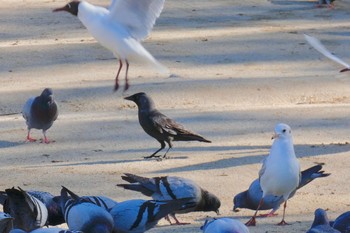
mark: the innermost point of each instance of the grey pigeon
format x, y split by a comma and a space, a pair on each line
40, 112
52, 203
280, 172
321, 223
28, 212
137, 216
159, 126
120, 28
55, 216
83, 215
224, 225
5, 222
173, 188
342, 223
250, 198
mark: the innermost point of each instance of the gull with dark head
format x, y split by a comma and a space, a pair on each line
120, 28
280, 172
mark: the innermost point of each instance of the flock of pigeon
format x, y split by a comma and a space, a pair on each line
120, 28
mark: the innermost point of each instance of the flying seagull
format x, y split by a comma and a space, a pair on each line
316, 44
120, 28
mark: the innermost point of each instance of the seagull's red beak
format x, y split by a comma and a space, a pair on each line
274, 136
344, 70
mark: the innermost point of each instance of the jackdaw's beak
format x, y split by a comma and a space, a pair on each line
131, 98
65, 8
217, 212
235, 209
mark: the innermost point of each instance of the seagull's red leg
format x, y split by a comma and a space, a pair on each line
29, 138
126, 87
116, 86
283, 223
252, 221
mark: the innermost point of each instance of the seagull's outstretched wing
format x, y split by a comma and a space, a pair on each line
138, 16
316, 44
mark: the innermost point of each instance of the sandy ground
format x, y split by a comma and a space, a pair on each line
238, 68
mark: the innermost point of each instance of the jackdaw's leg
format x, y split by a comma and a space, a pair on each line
162, 144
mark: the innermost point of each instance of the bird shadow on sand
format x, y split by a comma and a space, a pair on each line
7, 144
243, 156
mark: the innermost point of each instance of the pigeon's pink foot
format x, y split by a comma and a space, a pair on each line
251, 222
29, 139
46, 141
283, 223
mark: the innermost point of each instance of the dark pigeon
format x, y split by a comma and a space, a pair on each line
159, 126
173, 188
40, 112
83, 215
250, 198
136, 216
28, 212
321, 223
342, 223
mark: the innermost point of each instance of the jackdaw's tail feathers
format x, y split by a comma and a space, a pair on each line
186, 135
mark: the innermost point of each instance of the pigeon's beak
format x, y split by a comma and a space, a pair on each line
65, 8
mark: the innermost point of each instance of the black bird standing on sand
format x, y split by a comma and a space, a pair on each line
159, 126
40, 112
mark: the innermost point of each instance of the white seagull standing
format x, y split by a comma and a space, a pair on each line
120, 28
280, 172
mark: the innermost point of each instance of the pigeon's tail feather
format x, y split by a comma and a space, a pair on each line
138, 183
132, 178
73, 195
137, 187
312, 173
